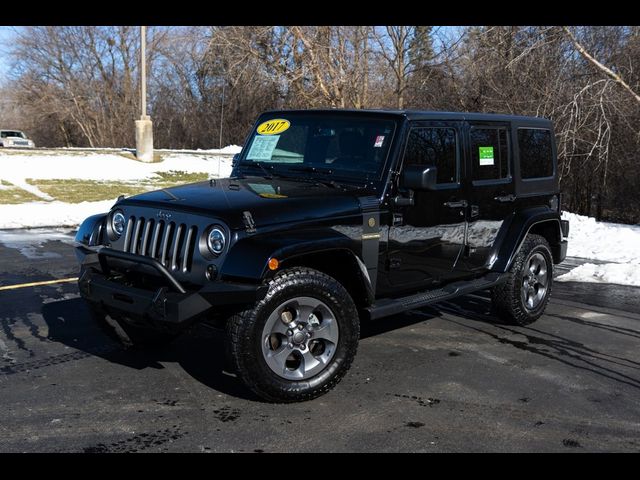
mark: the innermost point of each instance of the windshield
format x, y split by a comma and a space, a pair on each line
7, 133
345, 146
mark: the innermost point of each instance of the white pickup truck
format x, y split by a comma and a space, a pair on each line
15, 138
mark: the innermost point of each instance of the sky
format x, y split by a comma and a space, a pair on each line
6, 35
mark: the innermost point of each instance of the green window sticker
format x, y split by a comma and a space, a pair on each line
486, 155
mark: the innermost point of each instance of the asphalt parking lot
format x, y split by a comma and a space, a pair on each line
444, 379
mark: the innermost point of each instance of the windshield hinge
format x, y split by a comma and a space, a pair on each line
249, 224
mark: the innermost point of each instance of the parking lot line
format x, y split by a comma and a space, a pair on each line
37, 284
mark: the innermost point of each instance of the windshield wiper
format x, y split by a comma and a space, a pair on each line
262, 166
310, 169
323, 171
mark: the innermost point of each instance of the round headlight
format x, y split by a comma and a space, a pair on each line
117, 223
215, 241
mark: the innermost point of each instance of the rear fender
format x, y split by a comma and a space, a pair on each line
540, 220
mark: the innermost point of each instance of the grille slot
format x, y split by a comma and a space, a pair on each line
171, 243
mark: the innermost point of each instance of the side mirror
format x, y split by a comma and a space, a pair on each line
235, 159
418, 177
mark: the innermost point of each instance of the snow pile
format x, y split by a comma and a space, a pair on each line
231, 149
610, 242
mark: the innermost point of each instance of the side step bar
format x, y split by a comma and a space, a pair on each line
391, 306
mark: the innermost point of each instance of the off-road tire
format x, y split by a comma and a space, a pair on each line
130, 336
245, 330
507, 297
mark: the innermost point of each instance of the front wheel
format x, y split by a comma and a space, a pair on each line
299, 341
522, 299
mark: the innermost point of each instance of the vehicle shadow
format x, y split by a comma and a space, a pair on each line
200, 351
535, 339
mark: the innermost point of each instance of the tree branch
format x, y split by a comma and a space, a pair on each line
610, 73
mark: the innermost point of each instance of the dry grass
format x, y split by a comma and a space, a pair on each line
76, 191
10, 195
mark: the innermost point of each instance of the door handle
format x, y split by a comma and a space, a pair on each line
456, 204
505, 198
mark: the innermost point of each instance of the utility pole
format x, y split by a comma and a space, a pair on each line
221, 115
144, 126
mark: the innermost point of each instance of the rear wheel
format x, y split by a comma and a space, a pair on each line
299, 341
522, 299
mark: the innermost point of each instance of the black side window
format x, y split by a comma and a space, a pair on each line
536, 157
434, 146
489, 153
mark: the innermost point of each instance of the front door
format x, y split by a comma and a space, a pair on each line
426, 239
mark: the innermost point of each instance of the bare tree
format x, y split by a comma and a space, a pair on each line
404, 49
603, 68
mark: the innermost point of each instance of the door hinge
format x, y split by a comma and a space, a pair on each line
398, 219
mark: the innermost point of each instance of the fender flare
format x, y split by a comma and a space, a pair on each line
91, 230
248, 259
515, 231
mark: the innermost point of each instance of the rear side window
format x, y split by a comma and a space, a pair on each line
489, 153
536, 156
434, 146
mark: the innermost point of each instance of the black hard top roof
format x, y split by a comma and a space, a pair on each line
425, 115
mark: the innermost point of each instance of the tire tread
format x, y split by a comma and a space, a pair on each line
241, 324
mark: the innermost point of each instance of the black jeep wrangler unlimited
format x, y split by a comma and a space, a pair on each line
331, 218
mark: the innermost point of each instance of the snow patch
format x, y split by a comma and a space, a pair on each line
609, 242
43, 214
18, 182
30, 245
615, 243
104, 167
231, 149
619, 273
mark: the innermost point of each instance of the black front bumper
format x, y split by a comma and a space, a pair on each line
169, 303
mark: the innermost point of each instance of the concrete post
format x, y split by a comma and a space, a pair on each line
144, 126
144, 139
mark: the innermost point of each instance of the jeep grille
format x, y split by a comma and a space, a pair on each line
171, 243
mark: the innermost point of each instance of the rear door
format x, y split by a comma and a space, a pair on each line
426, 239
490, 190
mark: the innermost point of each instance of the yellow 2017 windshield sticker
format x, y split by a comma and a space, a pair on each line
273, 127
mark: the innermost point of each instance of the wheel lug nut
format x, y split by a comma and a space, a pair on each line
286, 317
290, 345
300, 327
302, 346
289, 332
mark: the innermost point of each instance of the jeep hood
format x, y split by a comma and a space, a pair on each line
270, 201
